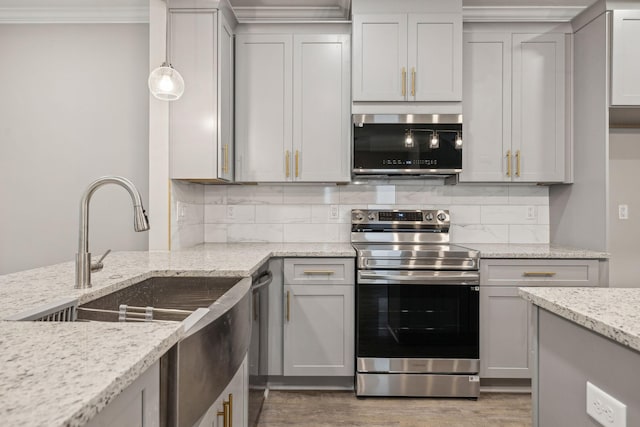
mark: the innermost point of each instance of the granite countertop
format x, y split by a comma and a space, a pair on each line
541, 251
612, 312
63, 374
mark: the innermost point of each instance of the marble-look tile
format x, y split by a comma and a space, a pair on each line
479, 233
479, 195
267, 233
528, 195
464, 215
215, 233
368, 194
344, 235
528, 233
187, 235
425, 194
320, 214
187, 192
509, 214
282, 214
215, 194
255, 194
229, 214
312, 232
311, 195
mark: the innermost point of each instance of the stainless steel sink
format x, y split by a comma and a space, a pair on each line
184, 294
217, 334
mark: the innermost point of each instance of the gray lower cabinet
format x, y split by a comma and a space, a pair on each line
506, 320
137, 405
318, 330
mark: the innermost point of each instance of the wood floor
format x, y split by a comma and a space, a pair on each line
337, 408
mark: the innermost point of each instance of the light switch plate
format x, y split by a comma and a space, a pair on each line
604, 408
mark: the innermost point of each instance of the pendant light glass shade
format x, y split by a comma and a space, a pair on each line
165, 83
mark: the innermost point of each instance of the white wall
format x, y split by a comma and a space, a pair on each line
73, 107
624, 176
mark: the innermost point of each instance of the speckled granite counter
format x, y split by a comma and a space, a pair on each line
533, 251
62, 374
612, 312
33, 288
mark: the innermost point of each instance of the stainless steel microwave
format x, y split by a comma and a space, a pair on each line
407, 144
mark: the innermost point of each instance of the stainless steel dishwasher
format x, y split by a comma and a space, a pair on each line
258, 348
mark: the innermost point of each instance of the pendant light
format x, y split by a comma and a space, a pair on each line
165, 82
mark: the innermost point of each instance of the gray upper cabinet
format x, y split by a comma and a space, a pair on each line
293, 108
201, 122
625, 58
407, 57
514, 107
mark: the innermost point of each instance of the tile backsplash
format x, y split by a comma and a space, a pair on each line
303, 213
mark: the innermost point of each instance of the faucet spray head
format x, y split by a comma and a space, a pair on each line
140, 220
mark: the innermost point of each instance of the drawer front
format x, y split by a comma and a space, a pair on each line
313, 271
533, 272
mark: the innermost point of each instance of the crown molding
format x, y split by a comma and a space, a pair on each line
294, 13
74, 15
520, 13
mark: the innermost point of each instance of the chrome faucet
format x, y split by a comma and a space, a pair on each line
140, 223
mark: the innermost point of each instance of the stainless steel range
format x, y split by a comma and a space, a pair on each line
417, 306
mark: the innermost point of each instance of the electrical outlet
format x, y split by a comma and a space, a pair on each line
230, 212
623, 211
334, 212
531, 212
181, 212
605, 409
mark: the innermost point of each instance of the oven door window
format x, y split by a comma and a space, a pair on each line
420, 321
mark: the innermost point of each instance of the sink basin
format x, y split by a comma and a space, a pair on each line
176, 293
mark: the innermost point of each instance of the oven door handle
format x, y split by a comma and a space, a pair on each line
437, 278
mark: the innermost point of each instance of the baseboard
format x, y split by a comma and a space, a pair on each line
502, 385
311, 383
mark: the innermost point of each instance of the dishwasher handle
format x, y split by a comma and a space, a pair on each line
263, 280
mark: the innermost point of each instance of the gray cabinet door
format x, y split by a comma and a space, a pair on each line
319, 330
625, 58
505, 333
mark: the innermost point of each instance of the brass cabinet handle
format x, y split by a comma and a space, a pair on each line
225, 166
539, 274
404, 82
230, 406
288, 306
311, 272
287, 160
518, 163
508, 162
225, 413
413, 81
297, 158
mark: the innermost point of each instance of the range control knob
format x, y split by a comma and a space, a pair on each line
441, 216
359, 217
429, 217
372, 217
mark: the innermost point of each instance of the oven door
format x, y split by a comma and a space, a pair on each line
418, 321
